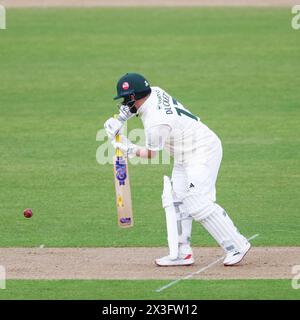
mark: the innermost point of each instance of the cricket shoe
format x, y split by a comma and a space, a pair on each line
167, 261
235, 257
185, 258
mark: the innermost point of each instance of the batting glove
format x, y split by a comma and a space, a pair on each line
128, 148
112, 127
125, 113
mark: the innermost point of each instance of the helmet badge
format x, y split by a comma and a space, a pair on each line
125, 85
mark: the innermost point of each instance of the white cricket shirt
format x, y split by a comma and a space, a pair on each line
169, 125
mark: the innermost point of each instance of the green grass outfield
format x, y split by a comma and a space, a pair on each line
140, 290
236, 68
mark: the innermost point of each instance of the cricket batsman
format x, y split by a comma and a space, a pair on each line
197, 152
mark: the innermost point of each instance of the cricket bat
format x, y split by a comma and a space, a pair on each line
122, 186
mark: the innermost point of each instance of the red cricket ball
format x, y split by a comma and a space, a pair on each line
27, 213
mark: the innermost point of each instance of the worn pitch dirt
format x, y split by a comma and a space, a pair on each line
138, 263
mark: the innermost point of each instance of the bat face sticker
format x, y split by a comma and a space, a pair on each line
121, 171
120, 202
125, 220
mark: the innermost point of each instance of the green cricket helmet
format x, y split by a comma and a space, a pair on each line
132, 84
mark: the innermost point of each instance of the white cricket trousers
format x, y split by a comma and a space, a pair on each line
195, 185
199, 175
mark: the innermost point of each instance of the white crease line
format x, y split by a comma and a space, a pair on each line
253, 237
199, 271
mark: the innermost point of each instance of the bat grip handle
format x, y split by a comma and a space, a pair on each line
118, 139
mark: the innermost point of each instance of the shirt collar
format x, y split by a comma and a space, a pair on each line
141, 110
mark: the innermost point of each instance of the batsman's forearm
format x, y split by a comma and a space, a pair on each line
145, 153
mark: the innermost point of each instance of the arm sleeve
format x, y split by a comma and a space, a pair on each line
156, 137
